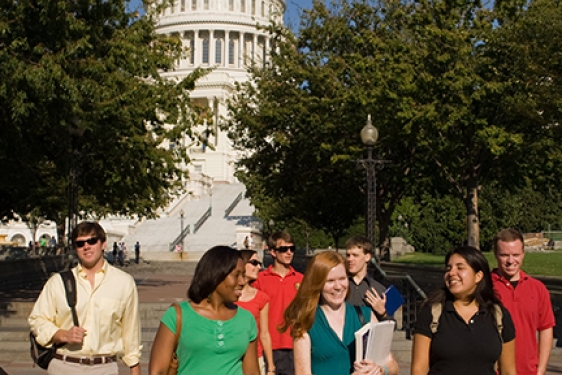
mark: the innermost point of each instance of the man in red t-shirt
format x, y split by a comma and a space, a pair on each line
280, 282
528, 302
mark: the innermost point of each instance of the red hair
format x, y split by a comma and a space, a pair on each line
300, 313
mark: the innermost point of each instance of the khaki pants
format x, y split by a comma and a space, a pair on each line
59, 367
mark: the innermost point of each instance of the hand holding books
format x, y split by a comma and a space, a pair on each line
373, 341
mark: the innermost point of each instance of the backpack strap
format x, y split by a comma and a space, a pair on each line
70, 288
360, 315
436, 310
498, 315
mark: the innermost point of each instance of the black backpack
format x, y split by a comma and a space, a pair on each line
41, 355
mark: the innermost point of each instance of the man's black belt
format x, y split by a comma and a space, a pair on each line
86, 360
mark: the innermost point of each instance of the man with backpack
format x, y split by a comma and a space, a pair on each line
106, 310
528, 302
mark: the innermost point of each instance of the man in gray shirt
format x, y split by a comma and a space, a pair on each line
363, 289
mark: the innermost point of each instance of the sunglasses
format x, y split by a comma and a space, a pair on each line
89, 241
255, 262
284, 249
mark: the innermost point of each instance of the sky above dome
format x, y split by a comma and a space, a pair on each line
292, 14
294, 10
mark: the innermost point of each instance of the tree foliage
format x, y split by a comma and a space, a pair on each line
463, 96
301, 117
81, 92
494, 122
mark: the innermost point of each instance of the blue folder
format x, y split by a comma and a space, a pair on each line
393, 300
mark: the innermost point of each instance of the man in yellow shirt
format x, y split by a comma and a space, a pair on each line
107, 309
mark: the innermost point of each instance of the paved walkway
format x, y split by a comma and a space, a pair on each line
170, 288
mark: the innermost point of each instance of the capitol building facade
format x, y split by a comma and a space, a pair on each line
223, 35
218, 34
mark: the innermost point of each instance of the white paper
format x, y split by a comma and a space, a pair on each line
374, 340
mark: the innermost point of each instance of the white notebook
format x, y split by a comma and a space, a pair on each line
374, 340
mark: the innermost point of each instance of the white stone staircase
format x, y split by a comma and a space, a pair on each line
155, 235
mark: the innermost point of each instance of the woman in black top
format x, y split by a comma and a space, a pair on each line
468, 339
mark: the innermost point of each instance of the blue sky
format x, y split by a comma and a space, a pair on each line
294, 8
292, 15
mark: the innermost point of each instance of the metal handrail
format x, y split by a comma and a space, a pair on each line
202, 220
232, 205
179, 238
413, 295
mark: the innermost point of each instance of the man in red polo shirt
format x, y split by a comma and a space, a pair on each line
528, 302
280, 282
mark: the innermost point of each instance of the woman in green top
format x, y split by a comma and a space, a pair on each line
216, 336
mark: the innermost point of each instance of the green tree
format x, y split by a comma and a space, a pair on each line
81, 92
463, 97
435, 224
301, 116
482, 116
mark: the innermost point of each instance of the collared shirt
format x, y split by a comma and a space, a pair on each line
531, 310
463, 348
109, 312
281, 292
356, 295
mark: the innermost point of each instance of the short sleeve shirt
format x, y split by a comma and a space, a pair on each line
211, 346
530, 307
281, 292
255, 306
462, 348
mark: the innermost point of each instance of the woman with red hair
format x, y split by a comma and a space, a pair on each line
323, 325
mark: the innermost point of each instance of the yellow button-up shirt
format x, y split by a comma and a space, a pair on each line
109, 312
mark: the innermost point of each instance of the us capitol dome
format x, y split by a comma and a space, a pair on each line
221, 34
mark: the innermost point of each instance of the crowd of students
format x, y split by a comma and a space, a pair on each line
239, 319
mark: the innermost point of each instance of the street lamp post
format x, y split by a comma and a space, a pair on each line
181, 233
181, 227
211, 200
369, 135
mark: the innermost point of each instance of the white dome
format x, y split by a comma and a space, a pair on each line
221, 34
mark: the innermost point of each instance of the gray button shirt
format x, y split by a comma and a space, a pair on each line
356, 296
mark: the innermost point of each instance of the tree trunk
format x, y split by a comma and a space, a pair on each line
61, 238
336, 237
472, 215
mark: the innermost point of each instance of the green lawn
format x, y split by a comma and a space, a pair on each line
543, 264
